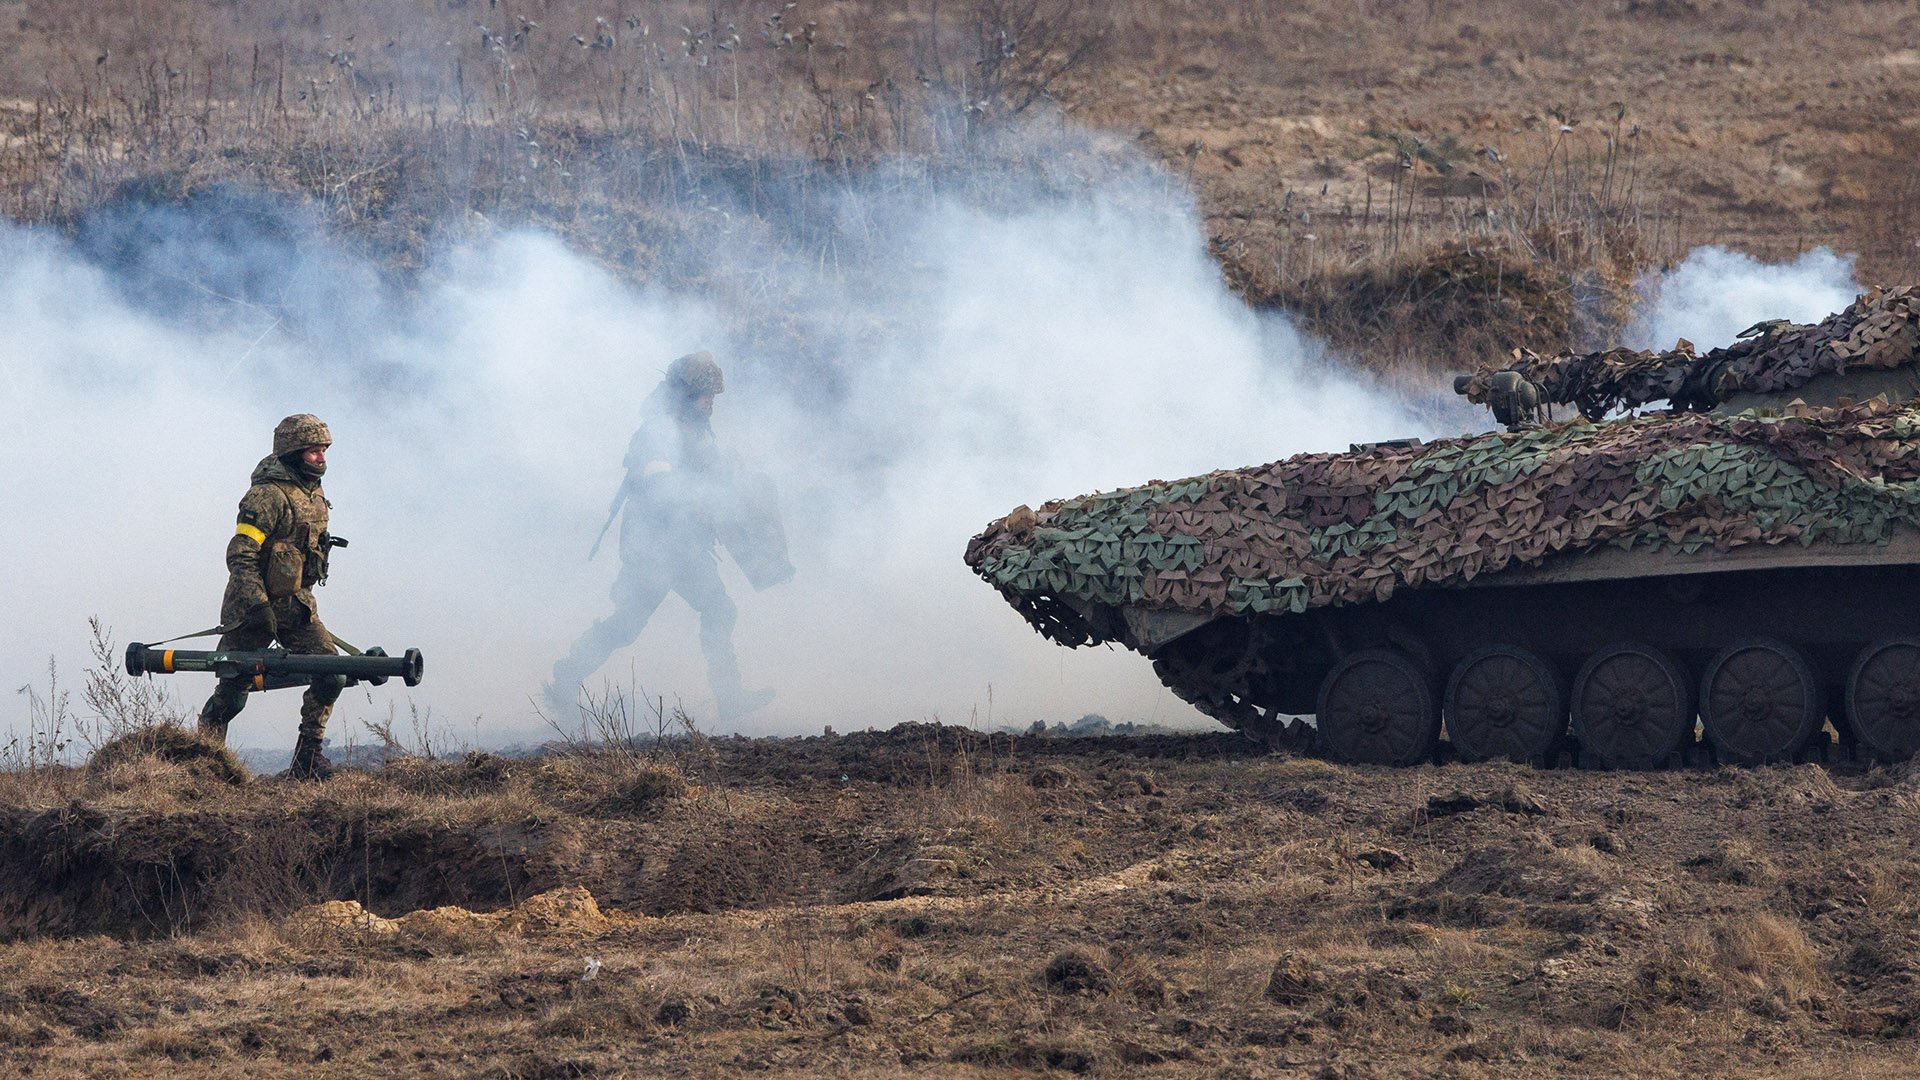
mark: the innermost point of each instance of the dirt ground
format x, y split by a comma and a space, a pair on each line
931, 899
1765, 126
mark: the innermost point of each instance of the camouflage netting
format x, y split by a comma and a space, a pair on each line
1325, 529
1880, 330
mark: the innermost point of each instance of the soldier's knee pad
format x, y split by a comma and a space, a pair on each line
229, 697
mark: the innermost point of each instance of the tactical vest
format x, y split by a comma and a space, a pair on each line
295, 558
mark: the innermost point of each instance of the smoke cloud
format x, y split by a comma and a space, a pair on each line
1714, 294
979, 343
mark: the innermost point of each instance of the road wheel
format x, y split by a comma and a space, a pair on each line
1883, 698
1760, 701
1377, 708
1632, 707
1504, 702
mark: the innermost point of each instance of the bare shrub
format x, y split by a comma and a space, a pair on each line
121, 704
137, 719
626, 725
50, 723
1014, 54
424, 737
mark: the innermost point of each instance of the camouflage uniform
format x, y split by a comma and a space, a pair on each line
277, 555
674, 492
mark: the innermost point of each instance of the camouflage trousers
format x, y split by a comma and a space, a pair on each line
637, 593
300, 631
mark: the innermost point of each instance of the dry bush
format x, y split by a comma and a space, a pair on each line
608, 782
1480, 300
1545, 260
1294, 981
601, 1012
1768, 964
120, 760
28, 757
993, 806
120, 704
627, 726
815, 955
1735, 862
1758, 962
1079, 971
138, 718
475, 773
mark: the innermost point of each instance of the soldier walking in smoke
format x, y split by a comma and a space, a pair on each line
680, 499
277, 555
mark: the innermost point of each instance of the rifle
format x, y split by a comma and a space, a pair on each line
613, 511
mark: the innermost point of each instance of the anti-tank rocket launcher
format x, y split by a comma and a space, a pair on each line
274, 669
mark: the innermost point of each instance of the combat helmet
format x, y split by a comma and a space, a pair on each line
299, 431
697, 374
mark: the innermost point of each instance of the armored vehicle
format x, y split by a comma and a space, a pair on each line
1742, 564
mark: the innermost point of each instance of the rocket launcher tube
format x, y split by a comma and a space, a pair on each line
271, 668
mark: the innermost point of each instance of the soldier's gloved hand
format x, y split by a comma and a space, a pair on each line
261, 615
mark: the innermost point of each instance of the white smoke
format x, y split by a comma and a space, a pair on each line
1715, 294
1045, 347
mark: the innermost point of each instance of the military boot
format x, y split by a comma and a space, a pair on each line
737, 701
316, 705
732, 699
308, 762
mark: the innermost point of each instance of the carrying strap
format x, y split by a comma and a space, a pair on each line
345, 646
200, 634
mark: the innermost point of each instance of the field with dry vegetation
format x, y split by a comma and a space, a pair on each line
932, 899
1422, 182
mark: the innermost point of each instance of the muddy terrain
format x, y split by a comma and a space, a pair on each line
933, 899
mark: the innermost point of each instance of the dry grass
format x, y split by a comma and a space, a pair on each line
1124, 912
1757, 963
1424, 183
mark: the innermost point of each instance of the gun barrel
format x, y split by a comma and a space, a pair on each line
269, 665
